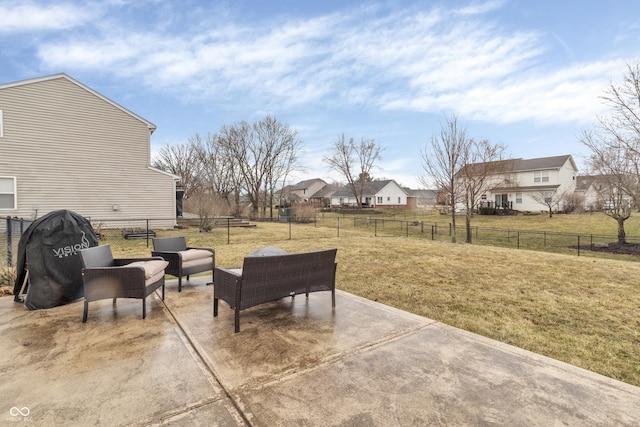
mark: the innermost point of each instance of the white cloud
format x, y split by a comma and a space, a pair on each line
21, 16
404, 60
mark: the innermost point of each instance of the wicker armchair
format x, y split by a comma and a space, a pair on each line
105, 277
184, 260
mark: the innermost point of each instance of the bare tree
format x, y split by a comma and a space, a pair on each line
615, 148
616, 184
180, 160
218, 171
442, 158
482, 172
264, 154
356, 171
281, 145
622, 125
550, 198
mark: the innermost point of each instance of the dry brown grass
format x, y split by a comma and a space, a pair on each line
580, 310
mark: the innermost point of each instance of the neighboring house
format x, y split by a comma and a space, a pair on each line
381, 194
589, 187
523, 184
322, 198
303, 191
65, 146
421, 198
597, 192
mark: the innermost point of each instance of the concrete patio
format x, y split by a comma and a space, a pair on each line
294, 362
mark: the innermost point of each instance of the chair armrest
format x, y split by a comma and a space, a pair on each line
113, 282
226, 285
174, 259
236, 272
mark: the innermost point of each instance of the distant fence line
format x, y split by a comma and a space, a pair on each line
11, 229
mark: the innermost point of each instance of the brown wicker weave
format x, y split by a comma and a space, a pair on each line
105, 277
170, 249
268, 278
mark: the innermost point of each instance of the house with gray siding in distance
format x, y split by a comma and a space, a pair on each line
65, 146
302, 192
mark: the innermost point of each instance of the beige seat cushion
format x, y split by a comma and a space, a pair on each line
151, 268
153, 279
205, 262
191, 254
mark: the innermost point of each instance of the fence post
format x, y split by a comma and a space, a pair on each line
433, 236
289, 227
338, 224
518, 237
578, 245
407, 229
147, 232
9, 240
545, 239
228, 230
375, 227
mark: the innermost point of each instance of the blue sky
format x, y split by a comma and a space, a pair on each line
526, 74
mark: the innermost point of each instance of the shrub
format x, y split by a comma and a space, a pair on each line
7, 280
304, 213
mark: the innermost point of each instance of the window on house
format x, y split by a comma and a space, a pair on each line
518, 197
541, 176
379, 199
399, 200
7, 192
388, 198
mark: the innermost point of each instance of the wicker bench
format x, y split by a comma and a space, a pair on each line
265, 277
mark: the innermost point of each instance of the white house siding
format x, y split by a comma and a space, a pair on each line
522, 182
71, 149
392, 196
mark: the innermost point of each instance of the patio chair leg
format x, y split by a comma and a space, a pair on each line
179, 283
163, 292
333, 298
215, 307
144, 307
237, 320
86, 309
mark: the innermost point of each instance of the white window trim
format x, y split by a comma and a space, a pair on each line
15, 194
541, 176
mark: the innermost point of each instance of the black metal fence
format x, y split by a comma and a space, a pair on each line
568, 243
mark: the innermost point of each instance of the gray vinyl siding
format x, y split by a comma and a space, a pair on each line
71, 149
